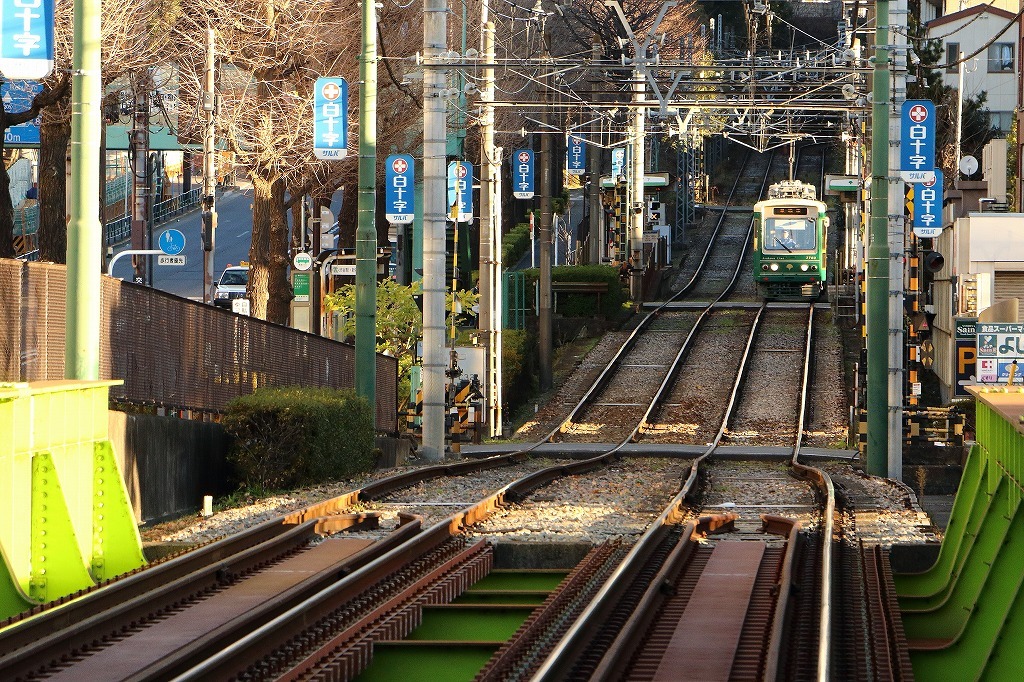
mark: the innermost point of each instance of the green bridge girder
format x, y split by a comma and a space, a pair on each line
65, 519
964, 617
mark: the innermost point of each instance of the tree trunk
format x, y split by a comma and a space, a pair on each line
54, 137
269, 290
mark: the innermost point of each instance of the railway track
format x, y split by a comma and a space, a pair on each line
320, 607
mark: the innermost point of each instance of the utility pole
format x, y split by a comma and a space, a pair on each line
596, 211
140, 176
878, 253
544, 333
209, 169
82, 298
639, 162
897, 249
366, 228
490, 237
435, 31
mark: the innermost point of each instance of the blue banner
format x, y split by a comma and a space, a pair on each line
917, 140
330, 118
522, 174
460, 191
26, 39
399, 178
17, 97
928, 207
576, 154
618, 162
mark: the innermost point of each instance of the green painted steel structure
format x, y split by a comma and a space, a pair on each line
964, 617
65, 519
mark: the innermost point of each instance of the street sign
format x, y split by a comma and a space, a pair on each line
300, 287
17, 97
523, 174
618, 161
330, 118
928, 207
917, 141
171, 242
460, 191
576, 154
302, 261
170, 260
399, 178
26, 42
650, 180
338, 270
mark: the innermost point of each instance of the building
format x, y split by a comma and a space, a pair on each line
994, 69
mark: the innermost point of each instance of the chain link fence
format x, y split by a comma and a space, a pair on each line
170, 351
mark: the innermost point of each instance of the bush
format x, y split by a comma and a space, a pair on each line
585, 305
515, 244
517, 358
289, 437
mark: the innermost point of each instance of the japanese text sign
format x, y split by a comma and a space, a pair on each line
576, 154
522, 174
330, 118
460, 191
917, 141
26, 44
399, 177
928, 207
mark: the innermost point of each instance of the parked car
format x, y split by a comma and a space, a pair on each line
231, 285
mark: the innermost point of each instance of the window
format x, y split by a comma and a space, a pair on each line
1000, 58
1000, 121
789, 234
952, 55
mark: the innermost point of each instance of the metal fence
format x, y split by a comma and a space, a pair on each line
171, 351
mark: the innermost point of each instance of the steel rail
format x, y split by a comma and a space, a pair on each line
613, 364
94, 626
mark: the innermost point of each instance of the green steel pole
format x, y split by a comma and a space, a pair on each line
878, 255
82, 330
366, 229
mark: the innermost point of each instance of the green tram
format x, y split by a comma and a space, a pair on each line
790, 227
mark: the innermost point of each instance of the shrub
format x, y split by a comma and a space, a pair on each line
515, 244
585, 305
294, 436
517, 358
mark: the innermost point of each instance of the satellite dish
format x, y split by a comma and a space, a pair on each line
968, 165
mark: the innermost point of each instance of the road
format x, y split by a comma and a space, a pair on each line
234, 233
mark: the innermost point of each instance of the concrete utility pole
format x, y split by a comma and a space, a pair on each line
596, 222
878, 253
435, 31
366, 228
636, 232
897, 244
209, 170
490, 236
82, 327
140, 176
544, 334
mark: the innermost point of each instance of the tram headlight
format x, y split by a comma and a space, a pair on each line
775, 266
814, 268
804, 267
764, 267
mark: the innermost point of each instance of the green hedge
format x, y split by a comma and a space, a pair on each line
518, 357
294, 436
515, 244
585, 305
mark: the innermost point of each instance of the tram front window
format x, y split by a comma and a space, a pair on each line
789, 234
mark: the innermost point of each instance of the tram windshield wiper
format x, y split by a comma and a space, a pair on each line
777, 241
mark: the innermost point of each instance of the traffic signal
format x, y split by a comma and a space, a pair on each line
209, 226
933, 261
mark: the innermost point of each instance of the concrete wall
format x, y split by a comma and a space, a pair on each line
168, 463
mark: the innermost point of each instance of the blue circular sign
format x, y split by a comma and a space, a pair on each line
171, 242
